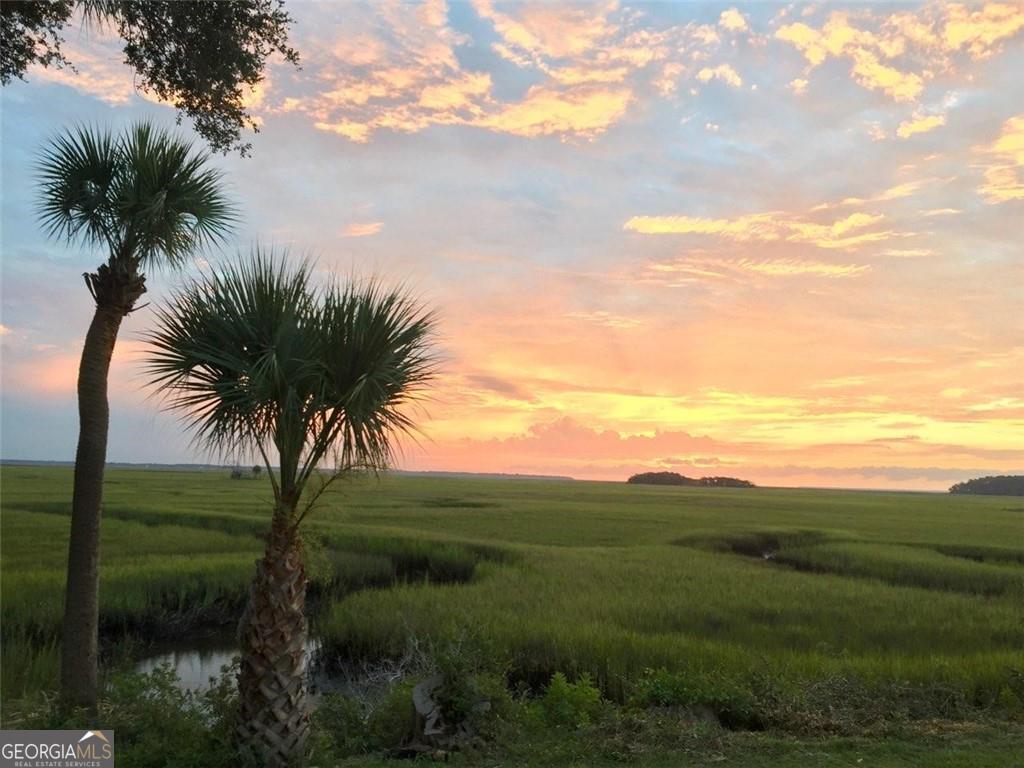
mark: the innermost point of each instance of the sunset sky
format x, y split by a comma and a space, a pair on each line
779, 242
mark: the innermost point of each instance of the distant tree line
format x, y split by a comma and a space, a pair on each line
995, 485
674, 478
237, 473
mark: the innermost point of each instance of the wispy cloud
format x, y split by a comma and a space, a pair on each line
909, 253
895, 192
920, 123
879, 46
608, 319
705, 268
838, 38
582, 112
790, 267
400, 71
362, 229
981, 30
1004, 179
847, 232
722, 72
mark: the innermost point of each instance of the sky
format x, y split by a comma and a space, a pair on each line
776, 242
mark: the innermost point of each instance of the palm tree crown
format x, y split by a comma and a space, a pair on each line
256, 357
145, 195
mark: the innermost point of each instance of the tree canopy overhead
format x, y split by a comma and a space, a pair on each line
202, 57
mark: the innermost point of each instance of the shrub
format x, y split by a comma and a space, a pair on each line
340, 728
157, 724
573, 705
473, 691
392, 723
731, 703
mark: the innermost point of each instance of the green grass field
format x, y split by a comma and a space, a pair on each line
838, 601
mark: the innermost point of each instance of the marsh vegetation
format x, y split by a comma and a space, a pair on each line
786, 613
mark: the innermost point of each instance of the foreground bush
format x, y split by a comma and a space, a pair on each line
722, 698
447, 696
570, 704
156, 724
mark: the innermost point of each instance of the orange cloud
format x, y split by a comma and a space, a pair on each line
691, 270
767, 227
357, 132
608, 319
732, 20
722, 72
99, 71
456, 95
362, 229
871, 73
393, 68
398, 71
549, 30
906, 189
584, 75
1004, 180
980, 31
580, 112
808, 41
930, 37
791, 267
840, 38
919, 124
908, 253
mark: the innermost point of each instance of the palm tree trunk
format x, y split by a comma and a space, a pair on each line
274, 715
115, 292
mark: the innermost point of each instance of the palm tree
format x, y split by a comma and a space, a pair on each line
261, 362
148, 200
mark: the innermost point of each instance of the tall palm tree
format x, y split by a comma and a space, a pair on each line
148, 200
260, 361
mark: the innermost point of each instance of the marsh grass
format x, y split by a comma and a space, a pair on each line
908, 566
866, 593
178, 566
973, 570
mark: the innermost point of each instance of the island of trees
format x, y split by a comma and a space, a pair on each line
996, 485
674, 478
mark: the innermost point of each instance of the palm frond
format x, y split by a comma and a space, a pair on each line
256, 357
227, 349
376, 357
76, 174
169, 199
146, 194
